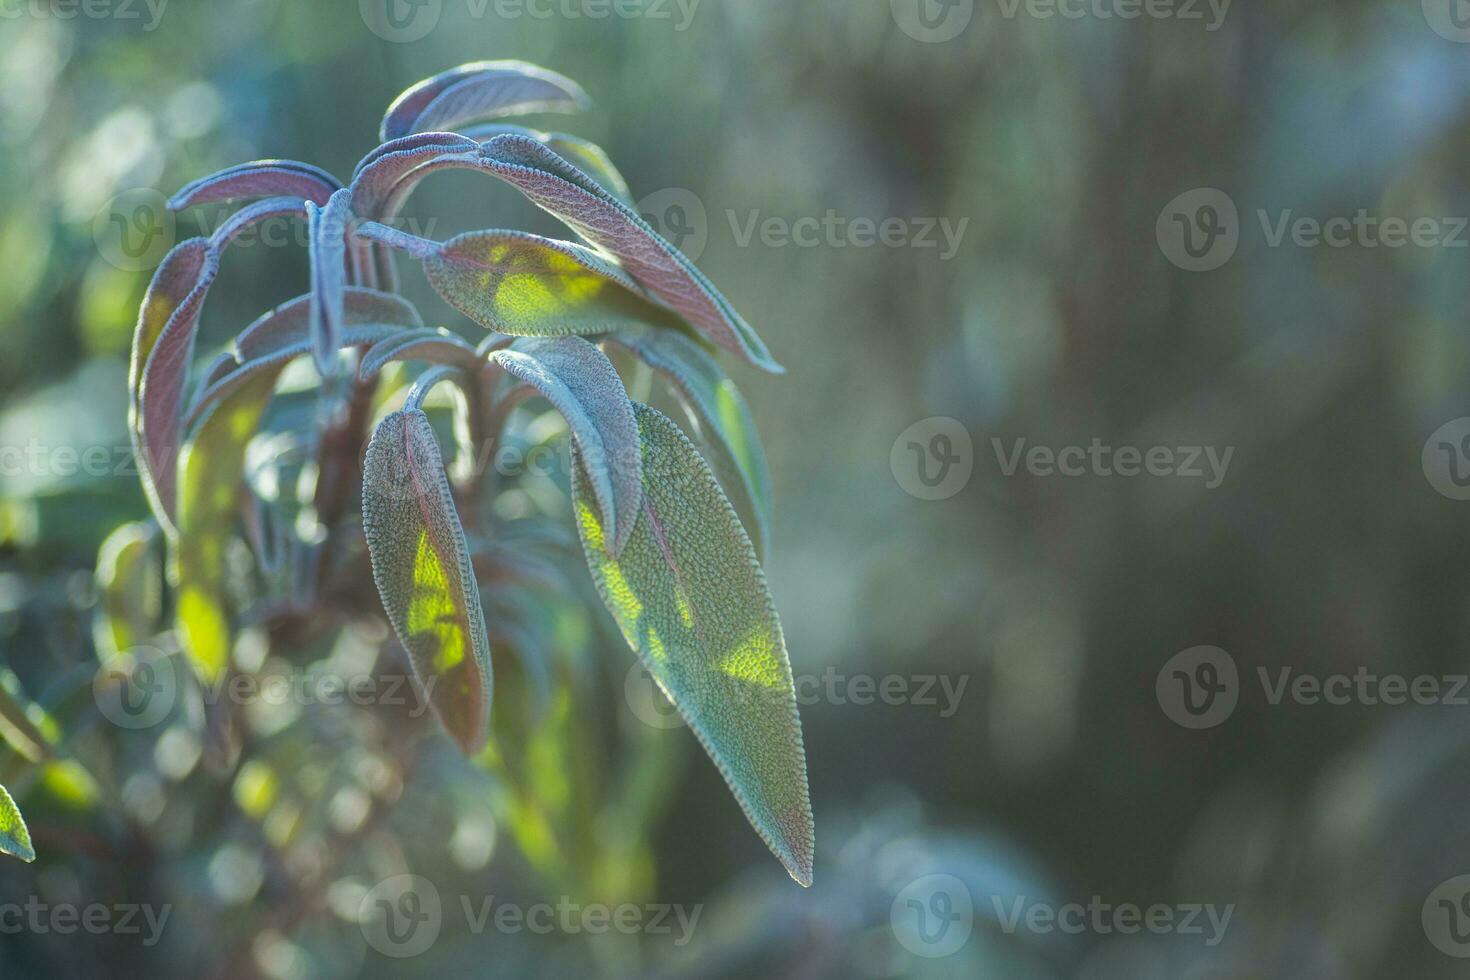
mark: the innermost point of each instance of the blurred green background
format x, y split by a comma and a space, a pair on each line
1055, 146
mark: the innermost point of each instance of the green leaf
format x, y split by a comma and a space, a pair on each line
692, 601
210, 470
582, 384
15, 839
422, 569
722, 419
129, 589
528, 286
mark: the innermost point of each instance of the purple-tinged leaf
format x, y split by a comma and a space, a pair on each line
163, 344
263, 178
582, 384
385, 168
590, 157
477, 91
252, 214
289, 323
328, 236
422, 569
600, 218
223, 383
436, 346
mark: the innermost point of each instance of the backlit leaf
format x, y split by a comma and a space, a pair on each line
529, 286
691, 600
15, 839
433, 346
129, 589
422, 569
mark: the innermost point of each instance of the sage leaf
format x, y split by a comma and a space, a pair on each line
433, 346
129, 589
480, 90
262, 178
582, 384
289, 323
588, 156
15, 839
722, 421
422, 569
328, 237
525, 285
162, 345
211, 468
691, 600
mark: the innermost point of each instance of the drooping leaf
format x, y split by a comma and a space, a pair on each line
605, 221
289, 323
525, 285
382, 172
328, 237
480, 90
170, 311
15, 838
722, 419
422, 569
129, 589
163, 347
582, 384
433, 346
691, 600
590, 157
262, 178
274, 361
